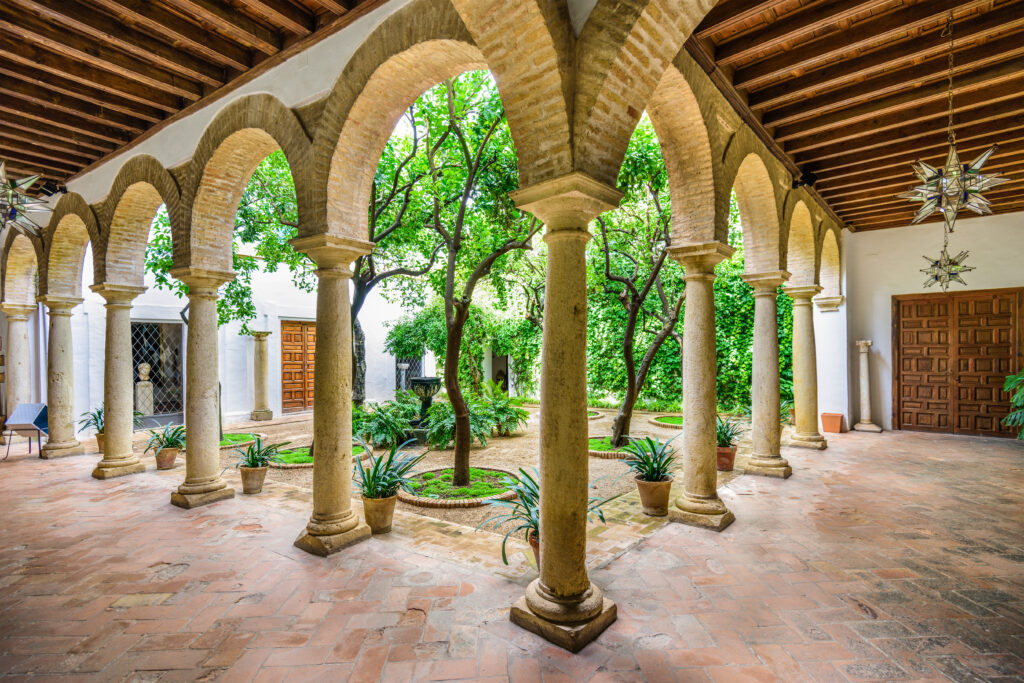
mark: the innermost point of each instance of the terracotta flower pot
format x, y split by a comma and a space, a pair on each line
654, 496
535, 547
166, 457
832, 422
792, 416
99, 441
379, 512
252, 478
726, 458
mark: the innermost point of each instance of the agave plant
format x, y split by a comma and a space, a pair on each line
726, 432
172, 436
651, 459
383, 475
258, 455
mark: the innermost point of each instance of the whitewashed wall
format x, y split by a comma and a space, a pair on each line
830, 338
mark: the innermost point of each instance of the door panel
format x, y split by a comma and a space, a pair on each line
924, 399
298, 344
985, 356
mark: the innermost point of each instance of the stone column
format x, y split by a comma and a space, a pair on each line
805, 369
60, 375
699, 504
118, 406
203, 484
562, 605
766, 459
333, 524
865, 424
18, 377
261, 390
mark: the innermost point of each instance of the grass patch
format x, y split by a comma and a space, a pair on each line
235, 439
300, 455
602, 443
482, 483
592, 413
670, 419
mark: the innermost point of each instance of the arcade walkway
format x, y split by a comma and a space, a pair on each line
891, 557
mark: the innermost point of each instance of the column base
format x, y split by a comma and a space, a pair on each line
194, 500
768, 467
325, 546
571, 637
102, 472
867, 427
714, 522
813, 441
260, 415
61, 450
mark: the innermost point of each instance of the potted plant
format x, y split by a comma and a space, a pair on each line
788, 412
726, 433
379, 481
253, 462
93, 419
166, 444
651, 460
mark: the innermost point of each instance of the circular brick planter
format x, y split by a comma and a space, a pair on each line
243, 444
595, 417
608, 455
654, 421
424, 502
306, 465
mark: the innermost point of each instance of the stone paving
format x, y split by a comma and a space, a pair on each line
886, 557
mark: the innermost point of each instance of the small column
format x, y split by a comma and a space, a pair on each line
805, 369
865, 424
118, 407
766, 459
699, 504
19, 373
261, 391
60, 374
563, 605
333, 524
203, 484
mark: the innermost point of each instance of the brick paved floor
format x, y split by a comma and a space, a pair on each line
891, 557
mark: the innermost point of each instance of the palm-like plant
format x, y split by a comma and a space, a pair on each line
92, 419
383, 475
172, 436
258, 455
1015, 387
726, 432
651, 459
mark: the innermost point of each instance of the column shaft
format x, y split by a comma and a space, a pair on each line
18, 370
60, 395
805, 369
261, 391
865, 424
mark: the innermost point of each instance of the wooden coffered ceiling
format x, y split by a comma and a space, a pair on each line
851, 90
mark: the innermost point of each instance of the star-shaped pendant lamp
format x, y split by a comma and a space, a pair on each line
15, 205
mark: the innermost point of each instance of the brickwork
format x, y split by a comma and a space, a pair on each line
759, 213
71, 228
21, 265
801, 259
830, 276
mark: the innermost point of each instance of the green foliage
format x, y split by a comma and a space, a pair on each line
727, 431
387, 423
650, 459
1015, 387
670, 419
482, 483
232, 439
171, 436
383, 475
440, 423
505, 415
92, 419
258, 455
603, 444
300, 455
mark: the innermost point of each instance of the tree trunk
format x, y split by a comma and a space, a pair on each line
358, 363
463, 438
620, 426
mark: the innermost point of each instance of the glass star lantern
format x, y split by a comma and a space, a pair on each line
15, 205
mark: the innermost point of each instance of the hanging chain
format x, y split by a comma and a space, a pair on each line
948, 32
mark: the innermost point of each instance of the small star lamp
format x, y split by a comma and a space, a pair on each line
15, 205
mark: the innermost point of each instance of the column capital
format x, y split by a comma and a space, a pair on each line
570, 201
16, 311
59, 304
864, 345
700, 258
766, 282
333, 253
828, 304
260, 335
802, 292
117, 294
202, 278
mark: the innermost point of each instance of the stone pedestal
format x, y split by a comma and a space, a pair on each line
333, 524
18, 369
699, 504
805, 369
563, 605
766, 459
203, 484
144, 391
118, 409
261, 393
865, 424
60, 374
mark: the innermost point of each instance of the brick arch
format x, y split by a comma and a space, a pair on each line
679, 123
235, 143
800, 247
20, 269
410, 55
830, 263
126, 216
622, 54
72, 227
759, 214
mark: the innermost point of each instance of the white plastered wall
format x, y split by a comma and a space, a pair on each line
830, 339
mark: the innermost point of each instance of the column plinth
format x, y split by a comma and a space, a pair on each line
805, 369
118, 407
563, 605
60, 372
766, 459
865, 424
203, 484
333, 524
261, 393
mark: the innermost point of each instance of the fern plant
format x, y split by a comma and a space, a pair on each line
1015, 388
440, 424
386, 424
504, 413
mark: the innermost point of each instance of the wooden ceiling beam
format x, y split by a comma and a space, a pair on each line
19, 146
1006, 193
728, 13
281, 13
885, 196
335, 7
104, 30
43, 60
232, 23
76, 47
879, 30
62, 170
73, 106
42, 142
179, 32
789, 28
49, 134
19, 170
1012, 204
13, 105
842, 74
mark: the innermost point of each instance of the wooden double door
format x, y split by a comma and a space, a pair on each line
951, 355
298, 346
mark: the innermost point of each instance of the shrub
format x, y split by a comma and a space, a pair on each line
1015, 387
505, 414
386, 424
440, 424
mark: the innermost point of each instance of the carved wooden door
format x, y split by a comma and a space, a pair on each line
923, 366
298, 344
